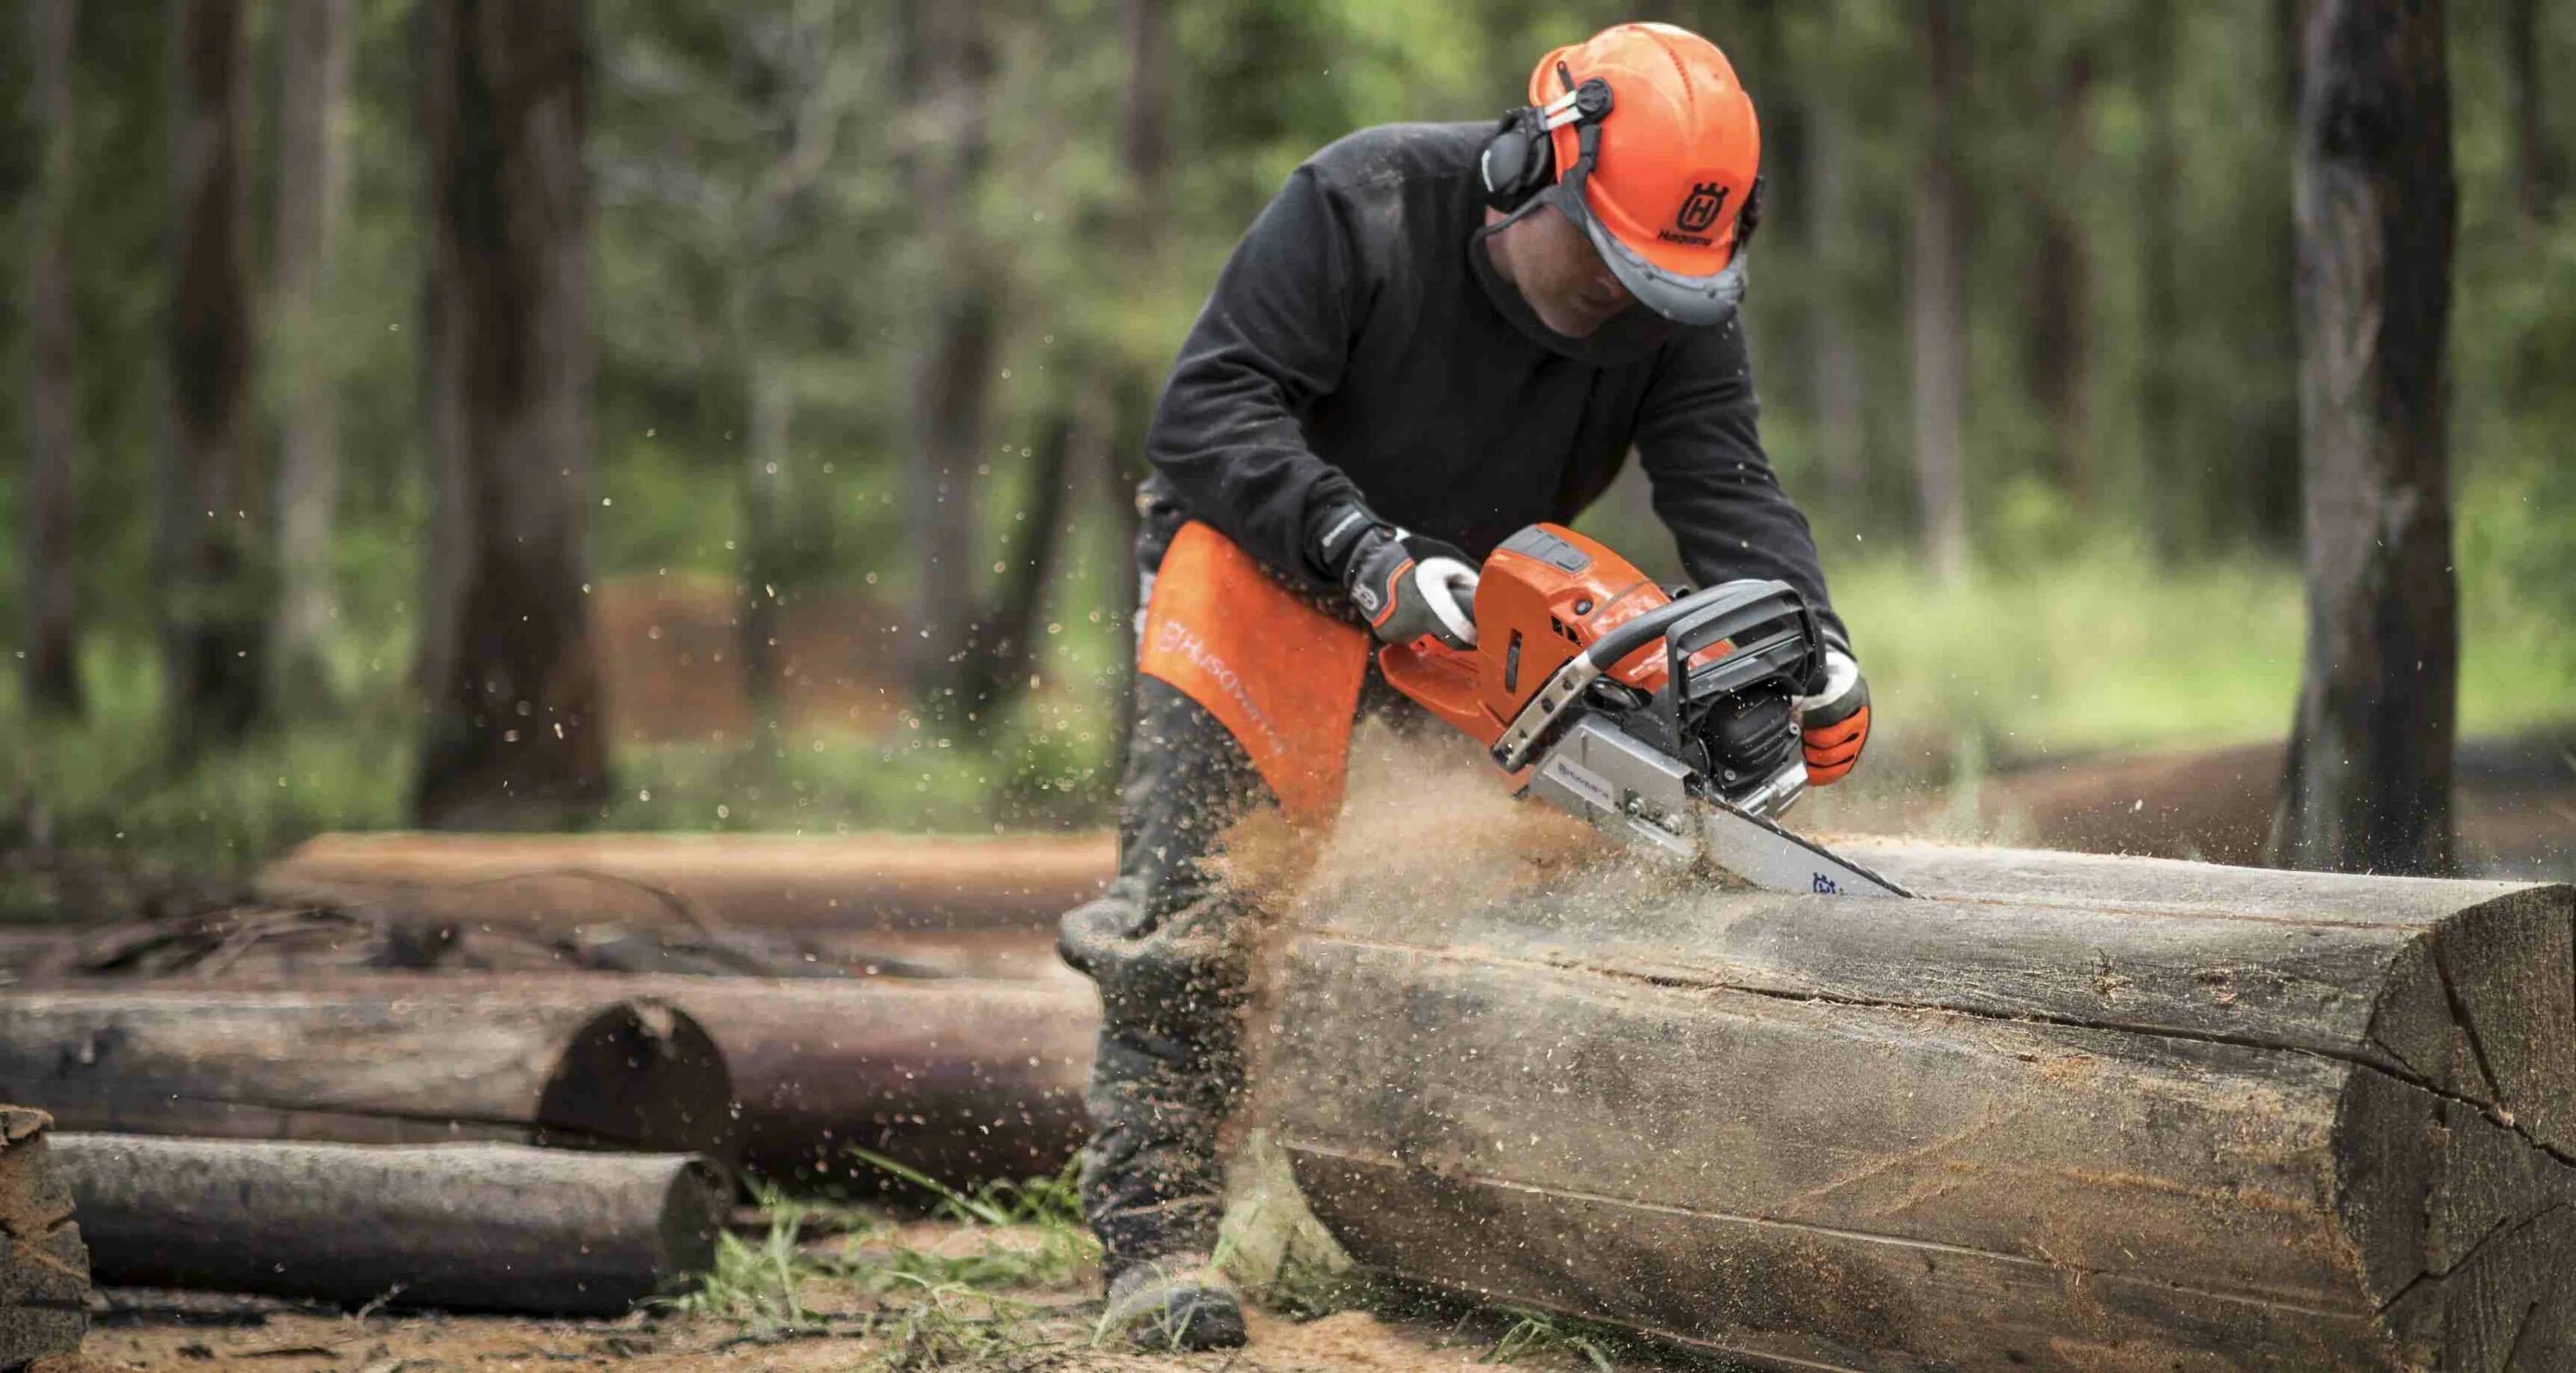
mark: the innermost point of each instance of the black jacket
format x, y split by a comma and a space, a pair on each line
1360, 342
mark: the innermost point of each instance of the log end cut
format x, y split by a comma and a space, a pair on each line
641, 1074
2456, 1143
44, 1269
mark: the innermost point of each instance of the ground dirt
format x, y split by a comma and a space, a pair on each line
1026, 1329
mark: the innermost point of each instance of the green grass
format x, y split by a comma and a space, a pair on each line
2106, 651
924, 1309
1540, 1335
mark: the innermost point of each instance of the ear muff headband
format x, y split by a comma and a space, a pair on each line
1520, 159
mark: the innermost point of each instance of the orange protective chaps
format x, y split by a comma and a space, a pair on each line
1282, 676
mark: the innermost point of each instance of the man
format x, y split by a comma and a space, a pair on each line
1434, 336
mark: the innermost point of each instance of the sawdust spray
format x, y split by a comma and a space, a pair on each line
1426, 820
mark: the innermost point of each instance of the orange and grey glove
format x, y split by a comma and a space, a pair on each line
1409, 587
1835, 721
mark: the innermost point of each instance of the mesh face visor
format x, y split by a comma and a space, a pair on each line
1696, 300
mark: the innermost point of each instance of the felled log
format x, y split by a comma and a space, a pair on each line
964, 1080
2071, 1112
485, 1227
372, 1065
778, 882
44, 1268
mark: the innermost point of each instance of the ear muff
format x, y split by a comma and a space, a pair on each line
1519, 160
1750, 217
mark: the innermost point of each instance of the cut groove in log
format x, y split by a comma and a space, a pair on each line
491, 1227
44, 1266
410, 1064
2068, 1112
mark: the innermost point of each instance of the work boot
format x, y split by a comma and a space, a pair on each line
1174, 1305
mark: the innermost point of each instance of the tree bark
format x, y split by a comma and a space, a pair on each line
515, 736
2066, 1112
2368, 785
965, 1079
417, 1064
1936, 304
917, 883
2535, 159
2061, 336
52, 668
952, 388
44, 1266
213, 597
486, 1227
311, 185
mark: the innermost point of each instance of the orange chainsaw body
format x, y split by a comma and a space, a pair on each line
1545, 595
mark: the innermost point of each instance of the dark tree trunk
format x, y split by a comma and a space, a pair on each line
311, 175
2168, 487
1840, 419
51, 668
952, 56
1006, 639
2368, 785
515, 734
1936, 301
2061, 334
2271, 347
212, 599
768, 530
1145, 153
2536, 169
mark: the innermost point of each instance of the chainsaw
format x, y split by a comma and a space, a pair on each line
1665, 719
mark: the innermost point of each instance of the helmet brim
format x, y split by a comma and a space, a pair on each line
1692, 300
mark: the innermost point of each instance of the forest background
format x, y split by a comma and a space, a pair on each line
875, 299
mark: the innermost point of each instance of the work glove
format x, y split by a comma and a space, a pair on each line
1408, 587
1834, 723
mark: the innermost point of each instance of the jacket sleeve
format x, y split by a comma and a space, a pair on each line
1274, 337
1702, 450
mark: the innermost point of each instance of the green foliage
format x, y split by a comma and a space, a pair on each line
756, 223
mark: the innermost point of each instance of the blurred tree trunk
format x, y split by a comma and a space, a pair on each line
2368, 786
311, 178
952, 59
2061, 280
1006, 641
1936, 303
515, 736
1840, 423
768, 521
1145, 155
2169, 488
2270, 494
2536, 171
52, 666
211, 599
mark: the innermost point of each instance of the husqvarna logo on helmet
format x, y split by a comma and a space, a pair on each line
1707, 201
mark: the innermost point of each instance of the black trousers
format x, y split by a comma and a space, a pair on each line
1167, 946
1170, 950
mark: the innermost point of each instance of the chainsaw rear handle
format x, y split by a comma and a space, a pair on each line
1688, 625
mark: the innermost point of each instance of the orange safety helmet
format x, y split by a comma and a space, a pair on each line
1658, 156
